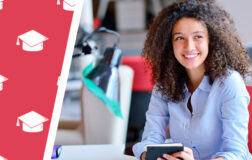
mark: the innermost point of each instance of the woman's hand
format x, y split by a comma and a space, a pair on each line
143, 156
187, 154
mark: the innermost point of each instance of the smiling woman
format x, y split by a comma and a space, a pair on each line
198, 64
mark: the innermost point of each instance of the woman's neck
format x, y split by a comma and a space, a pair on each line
194, 78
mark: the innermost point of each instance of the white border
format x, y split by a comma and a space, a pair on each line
63, 80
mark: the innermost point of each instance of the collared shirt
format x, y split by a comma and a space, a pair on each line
217, 127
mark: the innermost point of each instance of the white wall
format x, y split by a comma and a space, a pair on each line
241, 11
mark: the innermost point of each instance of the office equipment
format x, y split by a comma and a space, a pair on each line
98, 125
103, 79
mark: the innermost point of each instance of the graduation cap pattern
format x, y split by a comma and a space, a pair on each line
1, 7
2, 79
32, 41
32, 122
52, 41
68, 5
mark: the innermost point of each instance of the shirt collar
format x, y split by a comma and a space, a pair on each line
204, 84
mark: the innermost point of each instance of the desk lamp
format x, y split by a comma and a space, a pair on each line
103, 79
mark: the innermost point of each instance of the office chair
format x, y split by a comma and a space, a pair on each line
141, 93
249, 88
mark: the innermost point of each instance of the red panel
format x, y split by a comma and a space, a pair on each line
142, 74
32, 76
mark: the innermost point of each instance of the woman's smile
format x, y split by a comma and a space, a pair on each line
191, 56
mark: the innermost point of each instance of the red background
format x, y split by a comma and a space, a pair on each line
33, 76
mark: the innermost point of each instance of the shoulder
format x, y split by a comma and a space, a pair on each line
157, 93
234, 77
231, 86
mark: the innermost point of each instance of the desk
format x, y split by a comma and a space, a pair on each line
93, 152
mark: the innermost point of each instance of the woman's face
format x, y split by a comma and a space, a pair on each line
190, 43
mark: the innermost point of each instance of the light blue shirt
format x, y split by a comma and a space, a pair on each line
217, 127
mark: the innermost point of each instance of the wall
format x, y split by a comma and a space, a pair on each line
241, 11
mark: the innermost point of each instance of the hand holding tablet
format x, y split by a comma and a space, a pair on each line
154, 151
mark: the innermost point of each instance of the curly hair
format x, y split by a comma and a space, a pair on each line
225, 48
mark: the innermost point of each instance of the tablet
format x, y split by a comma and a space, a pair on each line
154, 151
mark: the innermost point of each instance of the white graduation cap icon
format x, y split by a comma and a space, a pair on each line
32, 41
68, 5
2, 158
32, 122
2, 79
1, 7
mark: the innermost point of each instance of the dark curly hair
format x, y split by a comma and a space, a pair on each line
225, 48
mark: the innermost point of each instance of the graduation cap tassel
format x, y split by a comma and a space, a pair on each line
18, 124
18, 42
58, 2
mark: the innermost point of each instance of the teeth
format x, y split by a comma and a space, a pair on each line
191, 56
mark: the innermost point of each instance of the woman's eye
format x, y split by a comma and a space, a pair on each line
198, 37
179, 38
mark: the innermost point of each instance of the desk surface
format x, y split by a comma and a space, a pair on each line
92, 152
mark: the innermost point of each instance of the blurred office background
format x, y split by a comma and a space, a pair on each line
130, 18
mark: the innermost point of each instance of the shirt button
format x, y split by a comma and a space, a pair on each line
186, 126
